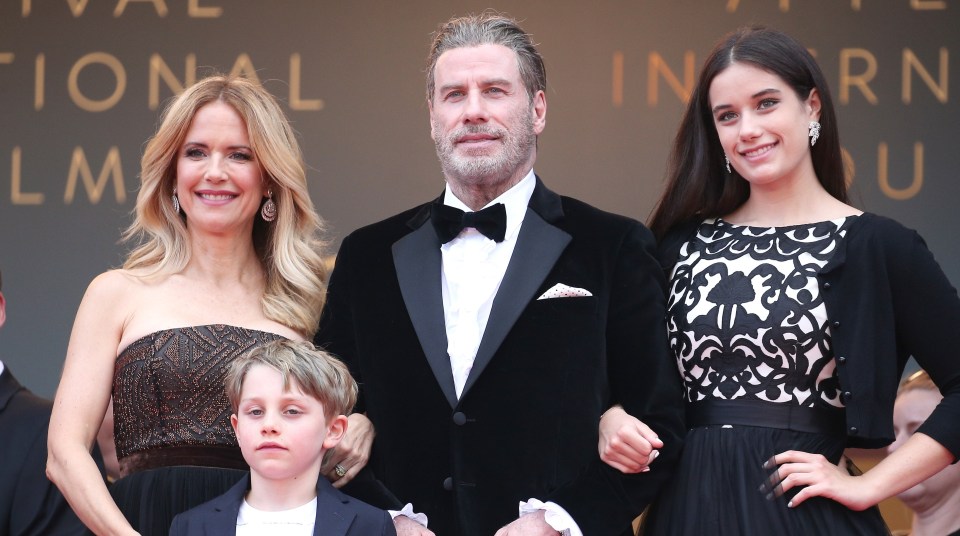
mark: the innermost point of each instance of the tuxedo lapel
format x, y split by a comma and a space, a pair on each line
418, 263
333, 516
8, 387
539, 245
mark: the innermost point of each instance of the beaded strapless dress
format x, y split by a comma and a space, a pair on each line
172, 421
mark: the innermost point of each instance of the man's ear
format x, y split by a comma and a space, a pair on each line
539, 110
233, 423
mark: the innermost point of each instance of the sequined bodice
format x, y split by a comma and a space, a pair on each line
745, 316
168, 388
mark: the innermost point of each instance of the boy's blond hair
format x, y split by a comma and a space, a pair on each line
916, 381
317, 373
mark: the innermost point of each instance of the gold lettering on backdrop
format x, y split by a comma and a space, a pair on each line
6, 57
77, 7
912, 63
921, 5
80, 166
855, 5
296, 101
194, 10
859, 80
38, 81
160, 69
732, 5
159, 5
657, 65
119, 74
17, 196
244, 67
617, 79
900, 194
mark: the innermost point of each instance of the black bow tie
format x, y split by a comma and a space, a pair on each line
449, 221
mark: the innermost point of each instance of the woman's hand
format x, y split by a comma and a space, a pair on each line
820, 478
352, 453
626, 444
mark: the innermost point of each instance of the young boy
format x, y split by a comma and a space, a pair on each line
289, 401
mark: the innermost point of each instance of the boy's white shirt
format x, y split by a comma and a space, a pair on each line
297, 521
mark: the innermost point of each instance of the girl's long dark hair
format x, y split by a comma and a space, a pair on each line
698, 185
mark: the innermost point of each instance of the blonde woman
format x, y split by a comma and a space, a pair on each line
935, 501
229, 258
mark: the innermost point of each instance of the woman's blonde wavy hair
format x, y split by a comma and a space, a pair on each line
289, 248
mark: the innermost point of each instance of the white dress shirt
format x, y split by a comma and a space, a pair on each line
472, 270
297, 521
473, 267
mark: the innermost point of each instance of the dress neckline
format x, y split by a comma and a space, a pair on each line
153, 334
841, 221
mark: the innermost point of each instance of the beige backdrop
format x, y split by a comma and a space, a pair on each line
81, 82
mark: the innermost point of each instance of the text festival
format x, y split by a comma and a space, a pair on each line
858, 74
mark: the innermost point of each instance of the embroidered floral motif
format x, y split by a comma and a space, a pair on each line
745, 314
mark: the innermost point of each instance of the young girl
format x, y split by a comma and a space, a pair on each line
791, 314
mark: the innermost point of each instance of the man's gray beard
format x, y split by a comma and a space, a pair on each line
492, 169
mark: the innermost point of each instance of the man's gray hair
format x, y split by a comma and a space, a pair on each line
489, 28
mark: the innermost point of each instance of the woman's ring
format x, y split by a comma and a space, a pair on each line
340, 470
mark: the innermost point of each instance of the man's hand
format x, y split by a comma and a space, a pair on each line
408, 527
532, 524
626, 444
352, 453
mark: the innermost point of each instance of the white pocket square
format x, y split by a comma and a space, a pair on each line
563, 291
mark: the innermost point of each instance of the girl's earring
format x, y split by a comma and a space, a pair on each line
814, 132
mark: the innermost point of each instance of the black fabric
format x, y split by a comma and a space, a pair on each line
337, 515
449, 221
716, 489
150, 499
887, 299
526, 424
766, 414
29, 503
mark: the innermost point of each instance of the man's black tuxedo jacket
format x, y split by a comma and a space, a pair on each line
337, 515
29, 503
526, 423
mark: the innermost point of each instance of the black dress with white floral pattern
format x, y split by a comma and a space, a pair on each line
746, 318
749, 329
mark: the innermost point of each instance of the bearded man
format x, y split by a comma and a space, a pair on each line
490, 328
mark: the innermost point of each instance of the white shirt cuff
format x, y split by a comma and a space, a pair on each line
554, 515
407, 511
